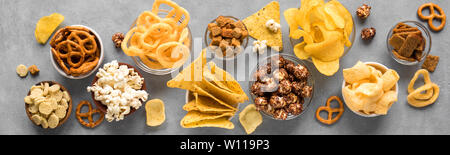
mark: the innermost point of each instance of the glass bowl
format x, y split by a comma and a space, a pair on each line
296, 61
352, 36
379, 67
218, 55
425, 34
69, 109
100, 46
144, 67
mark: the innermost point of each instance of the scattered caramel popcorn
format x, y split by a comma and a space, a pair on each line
363, 11
368, 33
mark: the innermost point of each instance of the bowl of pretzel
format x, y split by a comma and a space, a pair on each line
76, 51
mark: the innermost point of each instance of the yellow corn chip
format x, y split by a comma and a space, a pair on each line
222, 122
196, 116
206, 105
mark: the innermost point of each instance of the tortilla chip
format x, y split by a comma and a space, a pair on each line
257, 29
196, 116
187, 78
202, 92
227, 79
206, 105
222, 122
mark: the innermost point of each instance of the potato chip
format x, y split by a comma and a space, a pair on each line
222, 122
61, 111
22, 70
45, 108
44, 123
54, 88
328, 68
36, 118
46, 26
155, 112
53, 121
250, 118
28, 100
390, 78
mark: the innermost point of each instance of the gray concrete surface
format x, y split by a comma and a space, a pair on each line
18, 46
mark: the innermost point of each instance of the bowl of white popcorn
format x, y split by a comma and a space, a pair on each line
118, 90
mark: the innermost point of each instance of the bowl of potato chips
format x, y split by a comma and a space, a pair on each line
369, 89
321, 33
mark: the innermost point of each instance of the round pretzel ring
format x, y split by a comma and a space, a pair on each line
88, 115
85, 40
330, 120
433, 15
79, 55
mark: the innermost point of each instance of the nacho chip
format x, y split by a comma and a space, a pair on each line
155, 112
222, 122
257, 29
194, 72
202, 92
196, 116
205, 105
250, 118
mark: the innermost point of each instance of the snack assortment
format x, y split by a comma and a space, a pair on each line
407, 42
119, 88
280, 88
160, 42
424, 95
216, 94
161, 39
370, 88
325, 29
227, 35
265, 25
155, 112
330, 119
76, 50
89, 115
440, 16
48, 104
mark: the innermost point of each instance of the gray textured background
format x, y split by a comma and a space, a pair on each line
18, 46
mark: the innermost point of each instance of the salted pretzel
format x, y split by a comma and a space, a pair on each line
88, 115
433, 15
418, 99
75, 49
330, 120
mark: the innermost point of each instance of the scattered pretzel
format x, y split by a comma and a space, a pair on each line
441, 16
418, 99
330, 120
75, 49
88, 115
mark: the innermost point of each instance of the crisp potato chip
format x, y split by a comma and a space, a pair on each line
330, 49
390, 78
46, 86
34, 108
28, 100
36, 118
222, 122
46, 26
44, 123
256, 25
45, 108
357, 73
61, 112
299, 51
385, 103
53, 121
326, 68
250, 118
155, 112
196, 116
54, 88
22, 70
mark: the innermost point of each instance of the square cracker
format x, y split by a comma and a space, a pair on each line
430, 63
256, 25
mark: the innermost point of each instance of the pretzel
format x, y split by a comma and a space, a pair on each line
155, 39
75, 49
418, 99
330, 120
88, 115
441, 16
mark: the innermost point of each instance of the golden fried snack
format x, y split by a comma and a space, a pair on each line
75, 49
418, 99
88, 115
33, 69
160, 42
330, 120
433, 15
22, 70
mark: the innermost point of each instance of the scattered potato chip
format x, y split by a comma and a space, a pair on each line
36, 119
53, 121
155, 112
250, 118
325, 28
46, 26
22, 70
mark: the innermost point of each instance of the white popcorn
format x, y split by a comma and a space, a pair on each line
273, 26
260, 46
118, 87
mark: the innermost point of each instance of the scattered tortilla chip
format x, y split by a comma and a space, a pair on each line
46, 26
206, 105
222, 122
256, 25
196, 116
250, 118
202, 92
155, 112
194, 72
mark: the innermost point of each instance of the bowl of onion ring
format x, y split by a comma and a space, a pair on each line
165, 44
76, 51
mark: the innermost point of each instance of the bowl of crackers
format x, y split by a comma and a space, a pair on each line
158, 43
409, 42
281, 87
48, 104
76, 51
226, 37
